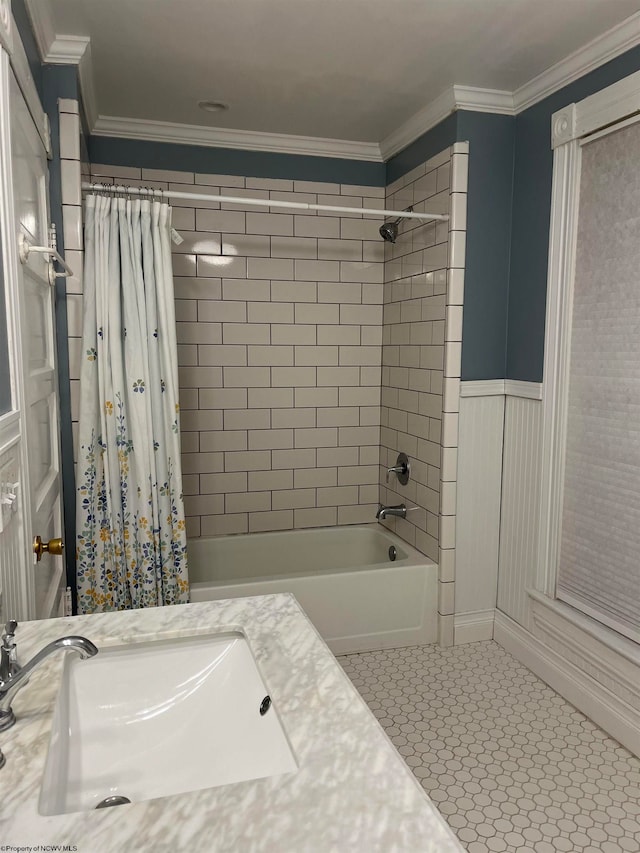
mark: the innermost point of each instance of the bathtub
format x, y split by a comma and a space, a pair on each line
357, 596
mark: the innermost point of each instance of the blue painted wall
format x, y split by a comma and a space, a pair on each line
531, 216
227, 161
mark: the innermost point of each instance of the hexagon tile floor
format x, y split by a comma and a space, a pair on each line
510, 764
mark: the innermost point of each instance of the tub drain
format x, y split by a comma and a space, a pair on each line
112, 801
393, 553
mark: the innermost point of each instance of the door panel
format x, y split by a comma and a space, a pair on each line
30, 176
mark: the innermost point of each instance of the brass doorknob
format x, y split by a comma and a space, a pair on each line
53, 546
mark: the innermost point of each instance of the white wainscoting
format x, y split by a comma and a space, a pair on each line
520, 504
478, 508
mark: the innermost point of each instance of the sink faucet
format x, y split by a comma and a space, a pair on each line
13, 677
383, 511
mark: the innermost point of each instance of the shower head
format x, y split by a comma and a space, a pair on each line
389, 231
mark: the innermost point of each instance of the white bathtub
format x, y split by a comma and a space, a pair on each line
356, 596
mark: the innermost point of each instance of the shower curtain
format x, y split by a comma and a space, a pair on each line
131, 538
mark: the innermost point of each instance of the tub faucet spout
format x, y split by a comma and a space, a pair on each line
383, 511
13, 677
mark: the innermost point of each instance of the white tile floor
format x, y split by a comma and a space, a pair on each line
510, 764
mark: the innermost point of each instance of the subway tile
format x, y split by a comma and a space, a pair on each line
358, 435
318, 187
315, 437
273, 312
339, 292
336, 335
277, 520
294, 498
362, 271
457, 249
317, 517
252, 290
369, 494
203, 504
199, 377
452, 359
201, 420
316, 355
240, 419
221, 354
295, 418
369, 396
357, 514
72, 226
250, 195
223, 440
248, 460
337, 496
199, 333
269, 398
314, 477
247, 502
317, 314
316, 397
293, 459
338, 376
271, 268
198, 243
366, 315
270, 439
357, 475
167, 175
294, 247
269, 184
339, 250
183, 218
224, 525
459, 173
215, 266
293, 334
340, 416
369, 455
270, 480
345, 201
360, 229
292, 377
294, 291
190, 287
271, 355
68, 105
71, 180
99, 170
219, 180
270, 223
360, 355
186, 310
360, 189
332, 457
246, 377
447, 564
219, 311
316, 226
190, 484
212, 484
250, 245
371, 336
296, 198
246, 333
229, 221
316, 270
188, 398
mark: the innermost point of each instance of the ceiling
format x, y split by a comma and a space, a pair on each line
340, 69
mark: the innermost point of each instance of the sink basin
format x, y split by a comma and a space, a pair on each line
160, 718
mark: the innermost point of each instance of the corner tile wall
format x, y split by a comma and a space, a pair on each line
422, 334
280, 338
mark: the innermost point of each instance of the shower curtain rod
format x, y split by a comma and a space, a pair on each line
263, 202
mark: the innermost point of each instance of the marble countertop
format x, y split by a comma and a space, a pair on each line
352, 791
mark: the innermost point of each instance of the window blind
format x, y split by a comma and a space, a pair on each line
599, 563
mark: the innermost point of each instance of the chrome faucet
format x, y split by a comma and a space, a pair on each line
383, 511
14, 677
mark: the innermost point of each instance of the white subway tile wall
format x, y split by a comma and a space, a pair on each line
422, 334
279, 326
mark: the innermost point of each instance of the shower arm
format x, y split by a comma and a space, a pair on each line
261, 202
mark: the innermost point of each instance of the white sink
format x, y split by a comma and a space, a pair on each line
160, 718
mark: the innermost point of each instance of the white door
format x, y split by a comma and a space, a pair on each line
31, 589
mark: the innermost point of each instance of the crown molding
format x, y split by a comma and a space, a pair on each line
67, 50
419, 123
41, 18
483, 100
602, 49
247, 140
87, 88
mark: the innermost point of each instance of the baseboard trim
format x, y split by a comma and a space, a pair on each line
473, 627
607, 710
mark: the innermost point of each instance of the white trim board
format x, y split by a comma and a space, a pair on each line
473, 627
606, 709
495, 387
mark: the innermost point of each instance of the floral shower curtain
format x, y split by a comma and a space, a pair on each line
131, 538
